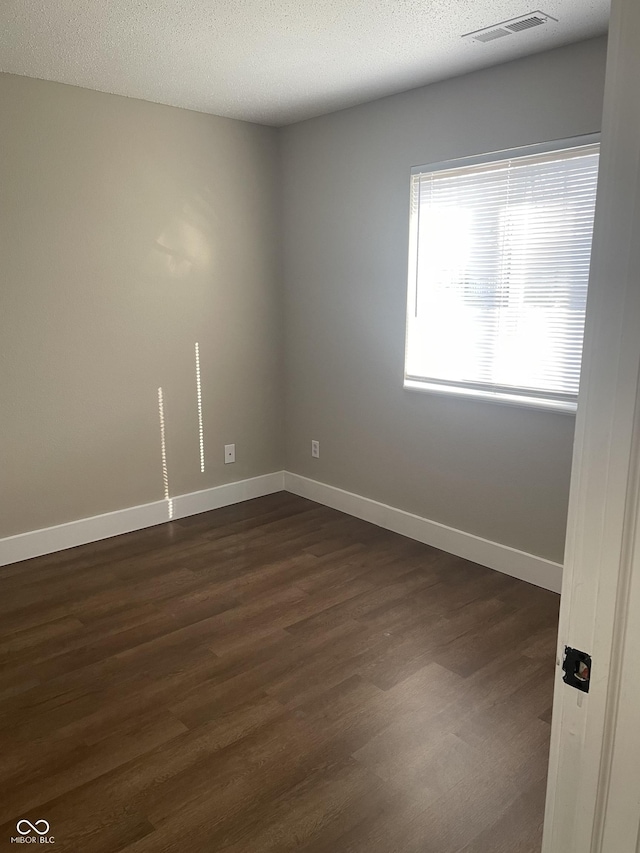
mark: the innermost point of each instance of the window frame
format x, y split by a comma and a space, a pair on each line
535, 400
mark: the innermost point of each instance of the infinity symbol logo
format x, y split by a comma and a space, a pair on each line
32, 827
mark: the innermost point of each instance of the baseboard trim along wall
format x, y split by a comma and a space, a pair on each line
24, 546
502, 558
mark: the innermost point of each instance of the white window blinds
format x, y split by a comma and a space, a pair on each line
498, 274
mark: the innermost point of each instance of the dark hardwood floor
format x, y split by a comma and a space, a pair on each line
273, 676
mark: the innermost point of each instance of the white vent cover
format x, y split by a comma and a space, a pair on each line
490, 35
510, 27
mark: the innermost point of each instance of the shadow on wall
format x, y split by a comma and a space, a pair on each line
185, 244
183, 247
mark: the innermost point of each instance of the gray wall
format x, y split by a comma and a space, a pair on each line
129, 231
496, 471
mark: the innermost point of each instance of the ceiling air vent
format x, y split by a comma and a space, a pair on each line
510, 27
490, 35
526, 23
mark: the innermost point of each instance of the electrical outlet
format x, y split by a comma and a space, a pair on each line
229, 453
315, 449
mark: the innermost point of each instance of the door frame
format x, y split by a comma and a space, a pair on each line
605, 486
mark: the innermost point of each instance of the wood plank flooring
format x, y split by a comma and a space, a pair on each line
273, 676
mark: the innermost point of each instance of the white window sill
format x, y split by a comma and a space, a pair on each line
561, 406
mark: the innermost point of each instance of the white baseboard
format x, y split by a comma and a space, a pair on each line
35, 543
502, 558
519, 564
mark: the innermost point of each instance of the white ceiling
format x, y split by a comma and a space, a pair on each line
271, 61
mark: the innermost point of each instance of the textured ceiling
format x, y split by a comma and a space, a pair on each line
271, 61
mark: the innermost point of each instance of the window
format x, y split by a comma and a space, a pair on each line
499, 256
